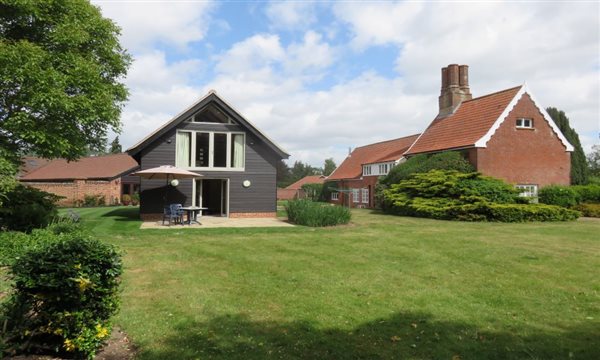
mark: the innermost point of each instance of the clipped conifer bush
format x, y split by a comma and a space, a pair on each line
64, 295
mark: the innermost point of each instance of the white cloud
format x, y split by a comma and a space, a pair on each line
291, 15
145, 24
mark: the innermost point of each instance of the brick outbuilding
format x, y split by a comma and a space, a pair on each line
105, 176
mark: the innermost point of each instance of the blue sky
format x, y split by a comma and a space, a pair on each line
320, 77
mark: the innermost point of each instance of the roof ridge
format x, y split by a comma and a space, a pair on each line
384, 141
494, 93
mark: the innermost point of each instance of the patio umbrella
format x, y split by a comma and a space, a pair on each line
167, 172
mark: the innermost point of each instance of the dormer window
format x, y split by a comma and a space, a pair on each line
524, 123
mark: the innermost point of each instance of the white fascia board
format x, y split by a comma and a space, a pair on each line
482, 143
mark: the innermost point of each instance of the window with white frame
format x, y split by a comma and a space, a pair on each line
525, 123
335, 195
356, 195
210, 150
366, 169
528, 190
365, 195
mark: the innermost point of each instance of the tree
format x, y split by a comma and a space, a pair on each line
300, 170
61, 71
329, 166
283, 174
579, 167
115, 147
593, 159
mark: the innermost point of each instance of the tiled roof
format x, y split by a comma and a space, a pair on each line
95, 167
469, 123
29, 164
311, 179
389, 150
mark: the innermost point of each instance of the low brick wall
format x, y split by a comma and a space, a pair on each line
74, 191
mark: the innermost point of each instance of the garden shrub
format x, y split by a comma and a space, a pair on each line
126, 199
587, 193
310, 213
559, 195
451, 195
26, 208
135, 199
589, 210
64, 295
313, 192
449, 160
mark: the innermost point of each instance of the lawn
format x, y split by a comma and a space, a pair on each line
384, 287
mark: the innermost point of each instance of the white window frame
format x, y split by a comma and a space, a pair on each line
364, 195
211, 150
356, 195
524, 123
335, 195
528, 190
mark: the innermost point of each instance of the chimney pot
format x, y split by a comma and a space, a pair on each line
455, 88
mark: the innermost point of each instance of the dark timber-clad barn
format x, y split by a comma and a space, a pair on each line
236, 160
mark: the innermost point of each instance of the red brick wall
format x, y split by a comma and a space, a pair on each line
289, 194
525, 156
358, 183
76, 190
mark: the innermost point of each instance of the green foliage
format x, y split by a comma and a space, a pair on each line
449, 160
589, 210
115, 146
587, 193
329, 166
64, 295
61, 70
593, 159
7, 177
94, 200
451, 195
26, 208
310, 213
579, 166
313, 192
135, 198
559, 195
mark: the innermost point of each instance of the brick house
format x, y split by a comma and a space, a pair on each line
106, 176
294, 190
357, 175
506, 134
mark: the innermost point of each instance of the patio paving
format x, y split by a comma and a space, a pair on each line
221, 222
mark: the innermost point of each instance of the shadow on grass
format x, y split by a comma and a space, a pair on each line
124, 214
404, 335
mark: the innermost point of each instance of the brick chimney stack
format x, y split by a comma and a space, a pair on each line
455, 88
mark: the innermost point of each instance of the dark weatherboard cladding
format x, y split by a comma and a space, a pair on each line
260, 159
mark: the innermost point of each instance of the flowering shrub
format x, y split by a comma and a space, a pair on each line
315, 214
64, 295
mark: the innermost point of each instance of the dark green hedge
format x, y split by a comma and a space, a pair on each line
26, 208
559, 195
316, 214
449, 160
451, 195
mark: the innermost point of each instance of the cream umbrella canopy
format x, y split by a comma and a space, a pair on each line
167, 172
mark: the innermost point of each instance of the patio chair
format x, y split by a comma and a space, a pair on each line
177, 213
172, 213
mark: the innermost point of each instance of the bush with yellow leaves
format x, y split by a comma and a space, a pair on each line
63, 298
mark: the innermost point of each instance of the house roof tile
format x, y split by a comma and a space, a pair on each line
388, 150
469, 123
95, 167
311, 179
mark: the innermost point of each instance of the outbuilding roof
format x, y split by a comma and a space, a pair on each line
389, 150
310, 179
106, 167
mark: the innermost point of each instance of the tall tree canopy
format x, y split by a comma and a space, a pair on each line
579, 167
61, 72
329, 166
115, 146
594, 160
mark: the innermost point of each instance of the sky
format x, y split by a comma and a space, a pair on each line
322, 77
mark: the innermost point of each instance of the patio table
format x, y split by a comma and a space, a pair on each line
192, 213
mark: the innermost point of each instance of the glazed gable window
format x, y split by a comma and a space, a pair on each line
210, 150
525, 123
